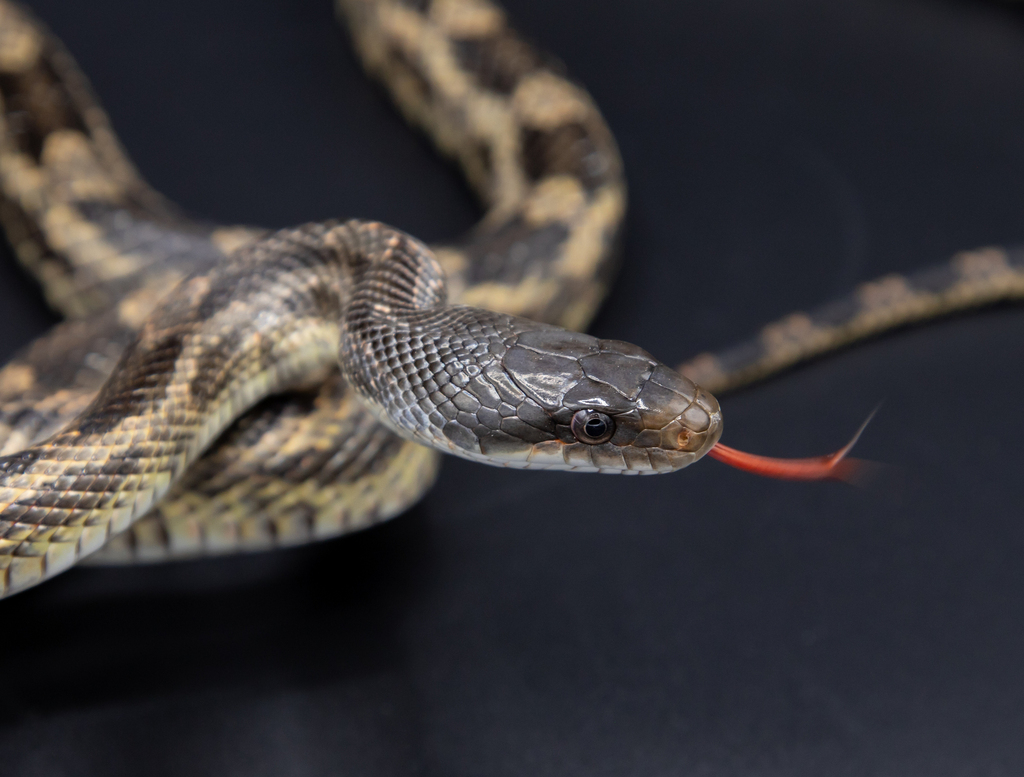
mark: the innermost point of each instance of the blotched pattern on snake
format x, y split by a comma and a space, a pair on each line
257, 320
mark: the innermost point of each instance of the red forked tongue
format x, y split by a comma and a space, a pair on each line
834, 466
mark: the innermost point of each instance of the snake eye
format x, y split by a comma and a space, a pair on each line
592, 427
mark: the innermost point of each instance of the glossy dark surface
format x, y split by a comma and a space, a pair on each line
530, 623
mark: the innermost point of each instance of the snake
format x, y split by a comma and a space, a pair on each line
221, 388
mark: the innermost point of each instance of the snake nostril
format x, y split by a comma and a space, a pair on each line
688, 440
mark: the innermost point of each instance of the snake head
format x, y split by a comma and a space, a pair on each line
574, 402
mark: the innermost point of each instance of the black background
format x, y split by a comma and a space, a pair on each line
706, 623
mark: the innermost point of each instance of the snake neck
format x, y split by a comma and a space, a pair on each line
393, 299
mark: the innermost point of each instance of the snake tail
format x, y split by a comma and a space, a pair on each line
970, 280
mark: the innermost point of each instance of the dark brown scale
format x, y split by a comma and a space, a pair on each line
370, 450
20, 228
141, 378
361, 446
270, 527
498, 62
36, 106
567, 150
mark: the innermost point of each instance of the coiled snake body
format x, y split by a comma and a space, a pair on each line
322, 461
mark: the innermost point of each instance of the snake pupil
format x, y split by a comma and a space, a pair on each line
592, 427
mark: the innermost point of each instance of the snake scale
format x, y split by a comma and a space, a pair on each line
254, 313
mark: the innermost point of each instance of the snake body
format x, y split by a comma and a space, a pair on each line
484, 385
112, 427
314, 463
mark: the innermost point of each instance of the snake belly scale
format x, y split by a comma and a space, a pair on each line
149, 383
